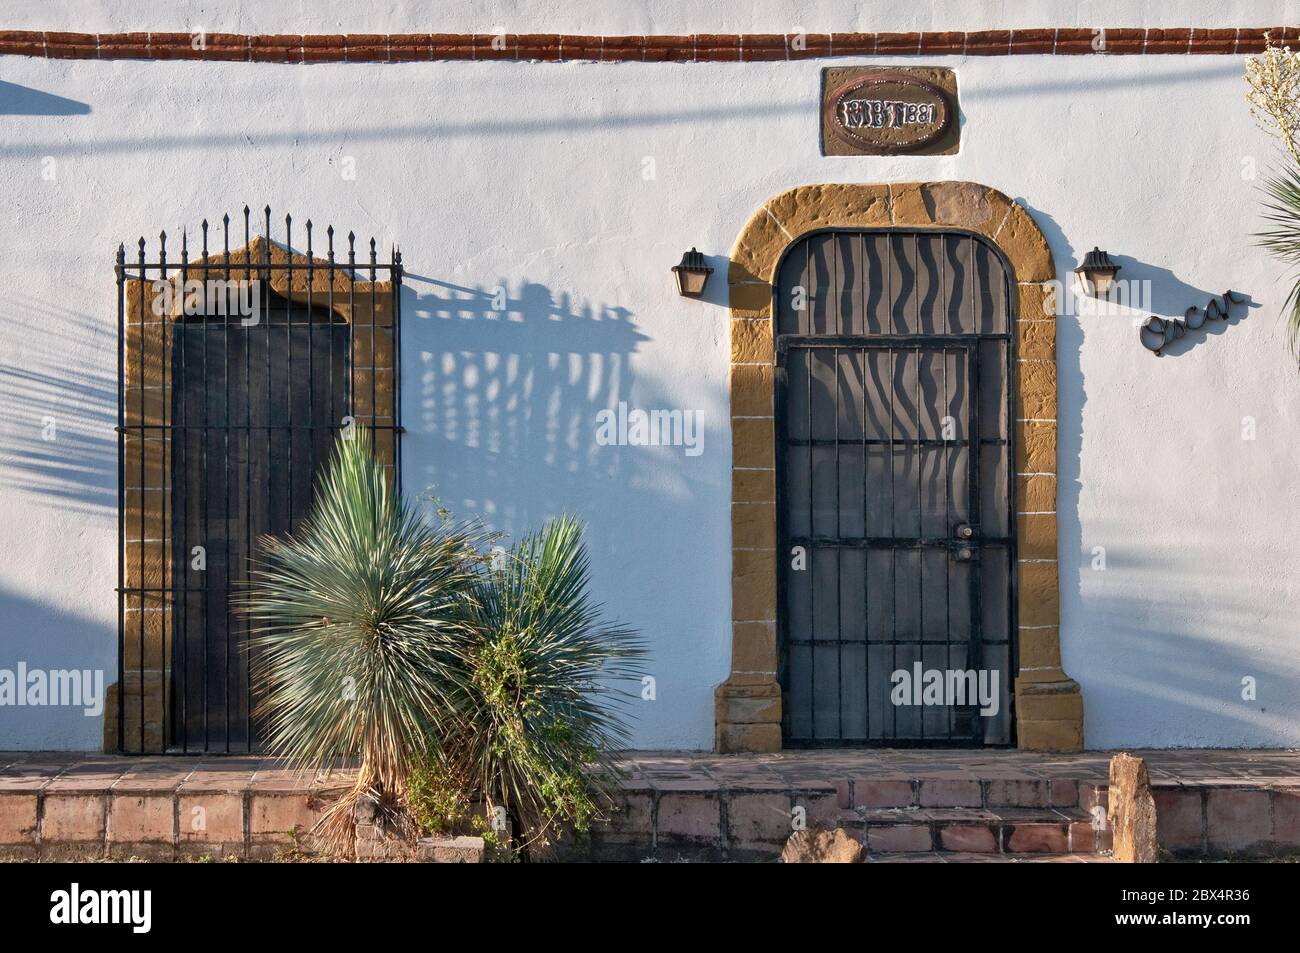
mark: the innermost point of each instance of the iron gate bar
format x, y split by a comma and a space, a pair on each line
176, 460
986, 278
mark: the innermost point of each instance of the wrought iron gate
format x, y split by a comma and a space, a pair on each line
894, 488
235, 372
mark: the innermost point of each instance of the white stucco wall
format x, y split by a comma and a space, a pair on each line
529, 176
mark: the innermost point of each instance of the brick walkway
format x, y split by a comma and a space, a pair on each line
936, 805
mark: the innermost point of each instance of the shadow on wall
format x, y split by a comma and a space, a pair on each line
58, 445
506, 384
83, 644
18, 100
1150, 680
1171, 296
1175, 655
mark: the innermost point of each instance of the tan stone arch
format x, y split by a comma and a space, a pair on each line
1049, 705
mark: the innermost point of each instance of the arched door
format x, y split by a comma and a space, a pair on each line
894, 489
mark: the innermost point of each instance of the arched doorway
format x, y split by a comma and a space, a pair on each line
749, 705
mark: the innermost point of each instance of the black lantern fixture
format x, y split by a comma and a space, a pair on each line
1098, 271
692, 274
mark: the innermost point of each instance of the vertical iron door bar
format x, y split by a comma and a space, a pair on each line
180, 640
374, 392
395, 274
144, 496
866, 554
167, 468
839, 557
288, 374
121, 495
812, 553
1009, 393
974, 654
352, 318
311, 365
333, 419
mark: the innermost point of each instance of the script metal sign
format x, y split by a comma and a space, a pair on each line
889, 111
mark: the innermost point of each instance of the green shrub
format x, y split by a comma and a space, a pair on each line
545, 691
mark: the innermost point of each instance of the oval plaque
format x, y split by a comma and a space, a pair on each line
888, 112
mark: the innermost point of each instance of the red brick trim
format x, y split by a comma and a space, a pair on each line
691, 48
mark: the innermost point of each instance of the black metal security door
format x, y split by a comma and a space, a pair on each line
237, 370
895, 535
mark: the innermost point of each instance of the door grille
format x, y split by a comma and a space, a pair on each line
896, 543
236, 370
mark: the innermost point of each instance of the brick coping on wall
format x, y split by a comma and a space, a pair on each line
687, 48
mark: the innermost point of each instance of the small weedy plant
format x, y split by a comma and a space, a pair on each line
545, 691
1273, 95
361, 635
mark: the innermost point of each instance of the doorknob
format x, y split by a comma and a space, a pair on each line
964, 550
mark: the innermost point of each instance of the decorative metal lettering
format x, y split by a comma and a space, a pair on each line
1158, 333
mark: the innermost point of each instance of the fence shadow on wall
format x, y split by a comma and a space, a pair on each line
502, 387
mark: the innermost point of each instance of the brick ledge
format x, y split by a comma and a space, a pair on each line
684, 48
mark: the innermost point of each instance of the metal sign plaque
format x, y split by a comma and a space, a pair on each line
870, 111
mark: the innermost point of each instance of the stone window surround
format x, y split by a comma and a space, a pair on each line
147, 482
747, 706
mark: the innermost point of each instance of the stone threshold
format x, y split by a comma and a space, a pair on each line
675, 805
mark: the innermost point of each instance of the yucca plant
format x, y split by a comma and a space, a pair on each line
546, 688
1273, 95
360, 633
1282, 239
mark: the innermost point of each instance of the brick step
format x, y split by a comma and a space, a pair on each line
958, 857
1007, 831
970, 792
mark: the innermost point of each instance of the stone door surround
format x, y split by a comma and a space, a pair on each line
747, 706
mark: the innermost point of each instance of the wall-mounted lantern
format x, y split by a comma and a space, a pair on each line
692, 274
1098, 272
